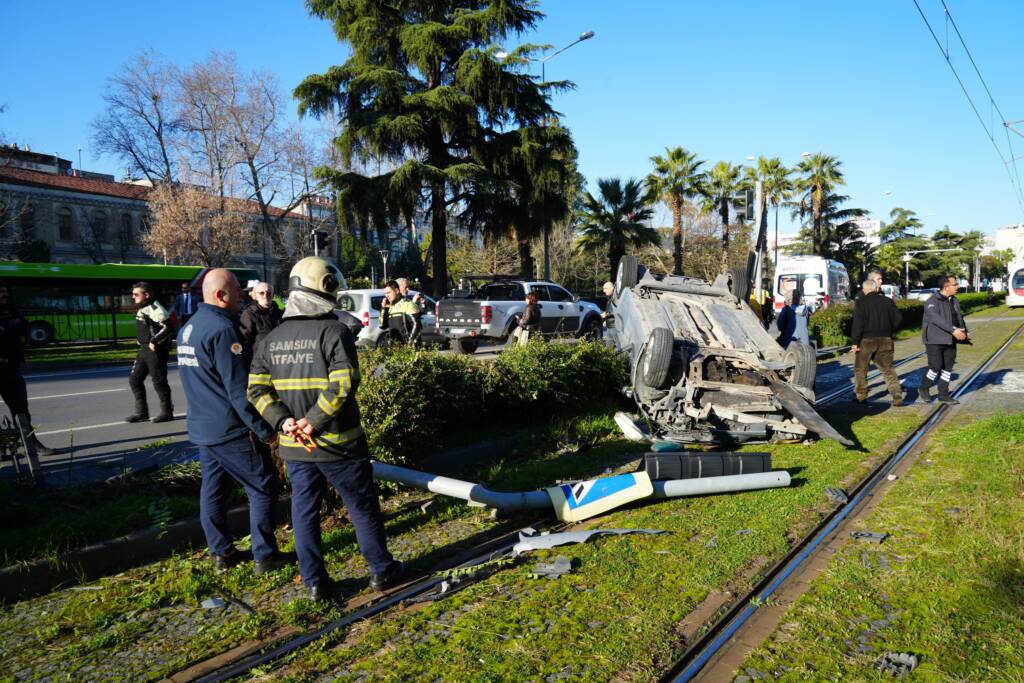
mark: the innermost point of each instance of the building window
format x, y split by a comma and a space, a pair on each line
28, 222
65, 225
127, 235
99, 226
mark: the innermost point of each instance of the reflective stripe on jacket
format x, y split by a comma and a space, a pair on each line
307, 367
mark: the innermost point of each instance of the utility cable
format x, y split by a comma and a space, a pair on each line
1014, 181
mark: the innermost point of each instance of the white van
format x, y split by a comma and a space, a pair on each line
822, 281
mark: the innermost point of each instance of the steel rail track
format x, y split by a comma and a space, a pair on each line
717, 637
282, 648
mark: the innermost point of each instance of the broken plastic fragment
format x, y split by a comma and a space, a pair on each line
530, 540
837, 496
212, 603
552, 570
871, 536
898, 664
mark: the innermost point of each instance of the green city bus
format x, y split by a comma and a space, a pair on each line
70, 302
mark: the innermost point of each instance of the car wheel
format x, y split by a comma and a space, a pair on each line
627, 275
39, 333
465, 346
740, 285
805, 362
658, 357
591, 328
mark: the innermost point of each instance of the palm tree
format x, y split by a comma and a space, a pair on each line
676, 178
776, 185
904, 224
821, 175
614, 220
722, 185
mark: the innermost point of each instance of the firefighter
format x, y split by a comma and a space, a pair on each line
303, 381
153, 332
399, 315
234, 442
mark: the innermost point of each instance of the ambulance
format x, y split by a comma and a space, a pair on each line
821, 280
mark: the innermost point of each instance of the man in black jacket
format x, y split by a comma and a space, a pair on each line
153, 332
261, 316
875, 318
303, 381
942, 329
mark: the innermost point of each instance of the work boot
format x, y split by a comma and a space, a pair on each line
272, 563
25, 423
40, 448
322, 591
166, 412
141, 413
925, 391
948, 400
387, 578
222, 563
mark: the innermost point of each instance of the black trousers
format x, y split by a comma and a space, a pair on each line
940, 366
151, 364
13, 389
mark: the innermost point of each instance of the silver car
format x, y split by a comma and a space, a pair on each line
365, 304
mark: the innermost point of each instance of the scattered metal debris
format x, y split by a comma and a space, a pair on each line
529, 539
952, 512
837, 496
712, 542
429, 507
870, 536
883, 563
898, 664
552, 570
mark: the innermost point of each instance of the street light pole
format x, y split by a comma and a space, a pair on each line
586, 35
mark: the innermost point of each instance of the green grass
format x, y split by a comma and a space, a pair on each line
956, 585
61, 355
617, 614
36, 525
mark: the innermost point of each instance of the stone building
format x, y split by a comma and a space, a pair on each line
86, 217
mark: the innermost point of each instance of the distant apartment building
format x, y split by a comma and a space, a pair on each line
88, 217
1011, 237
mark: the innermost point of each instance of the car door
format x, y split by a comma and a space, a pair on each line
567, 309
548, 310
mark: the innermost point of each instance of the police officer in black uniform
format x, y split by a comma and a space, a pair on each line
303, 381
153, 331
214, 365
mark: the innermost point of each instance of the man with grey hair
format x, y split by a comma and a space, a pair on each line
875, 318
403, 289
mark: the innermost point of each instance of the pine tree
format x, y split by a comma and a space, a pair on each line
425, 91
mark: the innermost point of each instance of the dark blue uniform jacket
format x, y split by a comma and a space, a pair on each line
214, 367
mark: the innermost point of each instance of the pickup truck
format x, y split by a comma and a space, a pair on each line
487, 313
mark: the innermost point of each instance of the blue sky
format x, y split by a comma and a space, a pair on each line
863, 81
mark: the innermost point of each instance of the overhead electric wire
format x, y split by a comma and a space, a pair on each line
1013, 177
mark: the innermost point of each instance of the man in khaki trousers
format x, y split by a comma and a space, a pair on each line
875, 318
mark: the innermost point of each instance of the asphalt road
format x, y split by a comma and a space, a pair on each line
81, 413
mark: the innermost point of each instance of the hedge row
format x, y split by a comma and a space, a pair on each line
414, 402
831, 326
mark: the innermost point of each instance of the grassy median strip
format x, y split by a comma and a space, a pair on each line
946, 587
618, 613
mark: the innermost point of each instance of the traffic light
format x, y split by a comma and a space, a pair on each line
318, 241
748, 196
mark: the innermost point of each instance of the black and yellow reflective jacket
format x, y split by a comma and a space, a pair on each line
307, 367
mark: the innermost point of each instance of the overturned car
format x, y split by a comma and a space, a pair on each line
703, 369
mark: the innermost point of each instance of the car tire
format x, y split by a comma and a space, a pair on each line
464, 346
658, 357
591, 328
627, 275
740, 286
805, 362
39, 333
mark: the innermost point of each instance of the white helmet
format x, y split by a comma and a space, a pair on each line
317, 275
